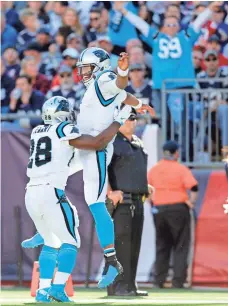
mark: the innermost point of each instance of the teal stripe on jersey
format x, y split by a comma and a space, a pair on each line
99, 94
101, 163
67, 211
60, 128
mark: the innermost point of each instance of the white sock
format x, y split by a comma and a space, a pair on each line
45, 283
61, 278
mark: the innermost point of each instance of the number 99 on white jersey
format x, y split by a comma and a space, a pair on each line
51, 154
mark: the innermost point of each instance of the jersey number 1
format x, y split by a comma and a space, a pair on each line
43, 152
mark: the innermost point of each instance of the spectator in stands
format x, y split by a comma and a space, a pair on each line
67, 87
31, 68
169, 58
13, 67
214, 43
197, 60
171, 205
105, 43
96, 26
31, 24
59, 8
217, 102
33, 49
75, 41
120, 29
46, 66
83, 8
7, 85
138, 85
25, 99
8, 35
136, 55
61, 37
11, 15
51, 61
173, 10
38, 8
70, 19
43, 38
70, 58
144, 13
218, 26
131, 43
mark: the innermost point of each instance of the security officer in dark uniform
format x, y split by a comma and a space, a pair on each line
128, 189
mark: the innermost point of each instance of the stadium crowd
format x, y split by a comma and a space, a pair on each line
41, 42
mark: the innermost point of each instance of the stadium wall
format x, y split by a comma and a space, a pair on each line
211, 246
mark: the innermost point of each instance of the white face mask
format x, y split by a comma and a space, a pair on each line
89, 82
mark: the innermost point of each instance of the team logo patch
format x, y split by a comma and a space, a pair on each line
111, 76
101, 55
63, 106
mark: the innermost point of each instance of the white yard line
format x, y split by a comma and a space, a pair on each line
125, 301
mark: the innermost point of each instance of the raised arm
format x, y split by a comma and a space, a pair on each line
88, 142
205, 15
100, 141
137, 104
122, 71
138, 22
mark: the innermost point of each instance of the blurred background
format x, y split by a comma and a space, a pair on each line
40, 45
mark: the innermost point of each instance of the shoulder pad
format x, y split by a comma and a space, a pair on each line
60, 129
106, 76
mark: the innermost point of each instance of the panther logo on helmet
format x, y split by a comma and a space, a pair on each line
63, 106
102, 55
57, 109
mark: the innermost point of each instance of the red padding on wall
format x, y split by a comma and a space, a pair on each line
211, 249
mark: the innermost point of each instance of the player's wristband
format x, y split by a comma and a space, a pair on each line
122, 73
120, 121
139, 105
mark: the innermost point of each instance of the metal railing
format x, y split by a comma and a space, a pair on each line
197, 119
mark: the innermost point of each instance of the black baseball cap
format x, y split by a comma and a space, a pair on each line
210, 52
34, 46
171, 146
43, 30
214, 37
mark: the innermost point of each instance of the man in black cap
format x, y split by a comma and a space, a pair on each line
43, 38
217, 102
171, 205
128, 190
214, 43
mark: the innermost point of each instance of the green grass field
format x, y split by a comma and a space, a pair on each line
165, 297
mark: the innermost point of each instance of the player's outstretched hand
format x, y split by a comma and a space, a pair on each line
146, 108
123, 61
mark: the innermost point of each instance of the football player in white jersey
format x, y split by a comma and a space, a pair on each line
105, 93
51, 150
